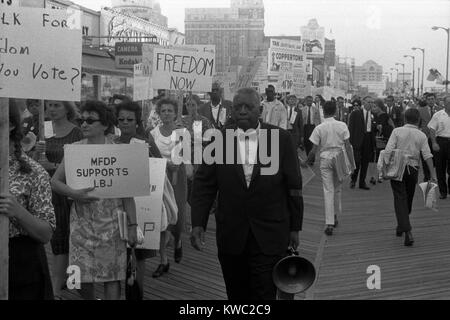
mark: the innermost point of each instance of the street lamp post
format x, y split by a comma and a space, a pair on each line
414, 71
396, 78
403, 75
448, 44
423, 66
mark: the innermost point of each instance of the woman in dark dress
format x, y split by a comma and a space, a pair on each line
64, 132
32, 219
129, 121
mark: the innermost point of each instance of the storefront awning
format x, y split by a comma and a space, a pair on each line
98, 62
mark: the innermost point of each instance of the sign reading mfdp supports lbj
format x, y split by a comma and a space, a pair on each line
116, 171
189, 69
40, 53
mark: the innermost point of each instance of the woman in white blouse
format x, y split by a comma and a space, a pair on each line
167, 110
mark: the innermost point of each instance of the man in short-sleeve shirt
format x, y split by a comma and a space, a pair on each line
439, 127
331, 136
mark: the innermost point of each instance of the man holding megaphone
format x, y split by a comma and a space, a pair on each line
259, 216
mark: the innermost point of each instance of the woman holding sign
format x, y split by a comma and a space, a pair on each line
128, 115
32, 220
61, 113
96, 247
167, 110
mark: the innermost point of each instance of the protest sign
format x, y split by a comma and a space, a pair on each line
283, 55
35, 64
248, 73
148, 208
116, 171
142, 89
184, 69
227, 81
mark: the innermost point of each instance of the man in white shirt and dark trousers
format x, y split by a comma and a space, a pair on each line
413, 142
217, 111
439, 127
331, 136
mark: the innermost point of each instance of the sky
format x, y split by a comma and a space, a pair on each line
382, 30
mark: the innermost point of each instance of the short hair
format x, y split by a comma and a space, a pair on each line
250, 92
329, 108
357, 102
70, 108
121, 97
105, 115
390, 98
367, 97
30, 101
431, 95
166, 101
412, 116
340, 98
309, 97
132, 107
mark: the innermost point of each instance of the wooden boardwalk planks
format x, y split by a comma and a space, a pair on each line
365, 236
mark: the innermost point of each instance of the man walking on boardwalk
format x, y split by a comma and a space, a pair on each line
259, 216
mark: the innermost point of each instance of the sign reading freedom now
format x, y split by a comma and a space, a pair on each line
40, 53
116, 171
184, 69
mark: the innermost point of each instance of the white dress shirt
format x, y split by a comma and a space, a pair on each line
215, 112
248, 149
369, 120
440, 123
330, 136
411, 140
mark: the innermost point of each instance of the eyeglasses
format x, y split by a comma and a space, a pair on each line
123, 120
89, 120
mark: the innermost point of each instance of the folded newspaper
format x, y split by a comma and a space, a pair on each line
429, 190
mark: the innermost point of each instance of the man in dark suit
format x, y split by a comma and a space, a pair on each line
426, 113
362, 137
259, 215
394, 111
294, 121
217, 111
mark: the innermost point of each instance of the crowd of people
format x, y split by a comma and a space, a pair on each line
258, 217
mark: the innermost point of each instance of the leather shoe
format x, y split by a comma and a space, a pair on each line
409, 240
178, 253
352, 184
373, 181
443, 196
364, 187
162, 268
329, 230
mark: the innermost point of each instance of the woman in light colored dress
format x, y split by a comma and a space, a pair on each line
95, 243
167, 110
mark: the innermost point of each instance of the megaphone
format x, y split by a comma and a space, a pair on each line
293, 274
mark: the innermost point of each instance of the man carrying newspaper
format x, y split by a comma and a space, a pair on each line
336, 161
400, 163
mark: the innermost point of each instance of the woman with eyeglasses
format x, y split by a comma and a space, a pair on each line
61, 113
32, 219
167, 110
128, 116
95, 243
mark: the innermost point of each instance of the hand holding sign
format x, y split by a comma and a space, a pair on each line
82, 195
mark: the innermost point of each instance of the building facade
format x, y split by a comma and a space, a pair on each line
237, 32
369, 71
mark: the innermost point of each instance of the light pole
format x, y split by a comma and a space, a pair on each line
396, 78
414, 71
403, 74
423, 66
448, 44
